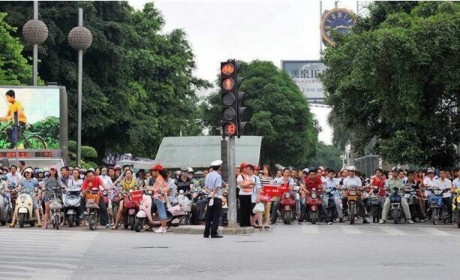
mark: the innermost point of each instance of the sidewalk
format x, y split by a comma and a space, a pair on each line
222, 230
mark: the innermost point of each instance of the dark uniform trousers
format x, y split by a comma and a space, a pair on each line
213, 214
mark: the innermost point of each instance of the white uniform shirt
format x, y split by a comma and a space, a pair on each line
429, 183
13, 180
456, 183
444, 184
352, 181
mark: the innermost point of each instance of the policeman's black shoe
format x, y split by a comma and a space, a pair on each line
341, 220
217, 236
365, 221
206, 236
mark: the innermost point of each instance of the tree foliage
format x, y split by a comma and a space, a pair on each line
88, 155
327, 156
48, 129
277, 110
14, 69
396, 77
138, 84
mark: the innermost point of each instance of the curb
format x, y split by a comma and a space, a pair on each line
222, 230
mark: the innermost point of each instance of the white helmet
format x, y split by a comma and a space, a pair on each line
351, 168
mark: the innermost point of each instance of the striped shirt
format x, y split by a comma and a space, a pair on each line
265, 180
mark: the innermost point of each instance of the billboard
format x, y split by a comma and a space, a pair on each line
305, 75
39, 116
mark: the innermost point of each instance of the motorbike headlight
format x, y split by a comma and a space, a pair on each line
352, 192
313, 195
23, 198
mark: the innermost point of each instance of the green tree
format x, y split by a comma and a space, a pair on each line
138, 84
397, 79
88, 155
14, 69
327, 156
277, 110
49, 130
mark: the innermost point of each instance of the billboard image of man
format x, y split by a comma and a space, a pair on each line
13, 107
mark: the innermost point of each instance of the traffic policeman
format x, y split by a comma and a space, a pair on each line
213, 186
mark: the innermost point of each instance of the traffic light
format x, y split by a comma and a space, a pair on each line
232, 112
240, 122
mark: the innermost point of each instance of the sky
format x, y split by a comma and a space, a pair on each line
264, 30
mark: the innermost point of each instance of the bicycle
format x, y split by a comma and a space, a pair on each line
28, 140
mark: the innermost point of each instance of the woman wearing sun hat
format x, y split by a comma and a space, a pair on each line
160, 194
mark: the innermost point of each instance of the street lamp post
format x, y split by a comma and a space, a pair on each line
80, 38
35, 32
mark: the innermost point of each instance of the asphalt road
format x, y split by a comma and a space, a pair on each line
340, 251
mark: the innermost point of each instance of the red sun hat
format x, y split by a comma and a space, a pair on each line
244, 165
158, 167
256, 167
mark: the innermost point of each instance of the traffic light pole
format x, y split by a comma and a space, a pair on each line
232, 205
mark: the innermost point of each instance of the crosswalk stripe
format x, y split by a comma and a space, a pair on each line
349, 229
392, 230
47, 254
435, 232
310, 229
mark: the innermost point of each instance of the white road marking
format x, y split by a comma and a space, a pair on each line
435, 232
392, 230
310, 229
47, 254
350, 229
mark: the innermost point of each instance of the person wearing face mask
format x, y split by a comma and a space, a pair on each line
140, 181
184, 183
82, 174
65, 175
105, 177
191, 175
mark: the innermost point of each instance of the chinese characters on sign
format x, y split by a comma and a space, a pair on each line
305, 75
36, 154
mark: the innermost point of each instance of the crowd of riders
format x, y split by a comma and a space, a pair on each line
322, 194
308, 196
113, 183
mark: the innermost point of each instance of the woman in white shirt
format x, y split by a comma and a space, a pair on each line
246, 184
75, 181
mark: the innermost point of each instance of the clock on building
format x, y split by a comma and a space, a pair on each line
340, 20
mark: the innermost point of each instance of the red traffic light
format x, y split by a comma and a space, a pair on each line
227, 69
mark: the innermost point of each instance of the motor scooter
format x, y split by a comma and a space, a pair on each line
175, 215
456, 207
115, 198
410, 195
438, 208
287, 207
376, 208
92, 204
24, 209
314, 203
3, 208
13, 196
395, 206
55, 208
72, 205
331, 193
352, 195
186, 206
199, 202
130, 209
